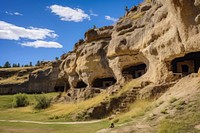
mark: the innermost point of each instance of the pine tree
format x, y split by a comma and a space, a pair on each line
7, 65
14, 65
38, 63
30, 64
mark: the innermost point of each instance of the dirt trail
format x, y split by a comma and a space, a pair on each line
50, 123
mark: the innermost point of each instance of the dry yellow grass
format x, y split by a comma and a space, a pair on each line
138, 15
64, 109
16, 68
138, 108
14, 80
128, 86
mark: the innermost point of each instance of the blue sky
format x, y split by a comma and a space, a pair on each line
32, 30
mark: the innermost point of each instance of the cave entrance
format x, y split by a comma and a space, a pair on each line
61, 86
187, 64
134, 71
81, 84
103, 82
185, 68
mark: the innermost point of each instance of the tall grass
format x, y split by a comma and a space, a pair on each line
20, 100
138, 108
42, 102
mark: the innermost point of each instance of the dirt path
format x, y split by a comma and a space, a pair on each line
50, 123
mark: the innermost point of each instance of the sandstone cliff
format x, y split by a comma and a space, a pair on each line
146, 41
156, 41
29, 79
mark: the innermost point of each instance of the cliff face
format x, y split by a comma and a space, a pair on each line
157, 34
149, 37
29, 79
89, 60
153, 41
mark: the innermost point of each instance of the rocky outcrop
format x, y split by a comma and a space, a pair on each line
97, 34
143, 43
153, 33
29, 80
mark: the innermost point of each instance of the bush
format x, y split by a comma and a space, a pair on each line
20, 100
42, 102
172, 100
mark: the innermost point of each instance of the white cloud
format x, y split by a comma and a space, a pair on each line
92, 13
42, 44
69, 14
19, 14
13, 32
111, 19
14, 13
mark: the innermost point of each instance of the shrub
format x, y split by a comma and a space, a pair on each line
42, 102
172, 100
164, 111
20, 100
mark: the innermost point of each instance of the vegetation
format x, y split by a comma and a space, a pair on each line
42, 102
7, 65
20, 100
184, 120
137, 109
138, 15
173, 99
182, 124
149, 1
38, 63
56, 110
6, 127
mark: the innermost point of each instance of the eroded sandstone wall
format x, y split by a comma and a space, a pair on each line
152, 33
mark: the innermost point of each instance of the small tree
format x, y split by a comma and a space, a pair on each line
14, 65
38, 63
126, 9
7, 65
57, 58
30, 64
18, 65
26, 65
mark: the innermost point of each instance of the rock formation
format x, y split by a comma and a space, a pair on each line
29, 80
157, 40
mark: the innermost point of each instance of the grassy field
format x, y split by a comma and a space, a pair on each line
61, 112
28, 113
6, 127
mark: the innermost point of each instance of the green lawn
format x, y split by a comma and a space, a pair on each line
6, 127
28, 113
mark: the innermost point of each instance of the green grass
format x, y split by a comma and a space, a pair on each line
32, 128
6, 102
185, 119
180, 124
28, 113
59, 111
22, 113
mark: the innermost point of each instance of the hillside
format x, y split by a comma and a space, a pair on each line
142, 74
